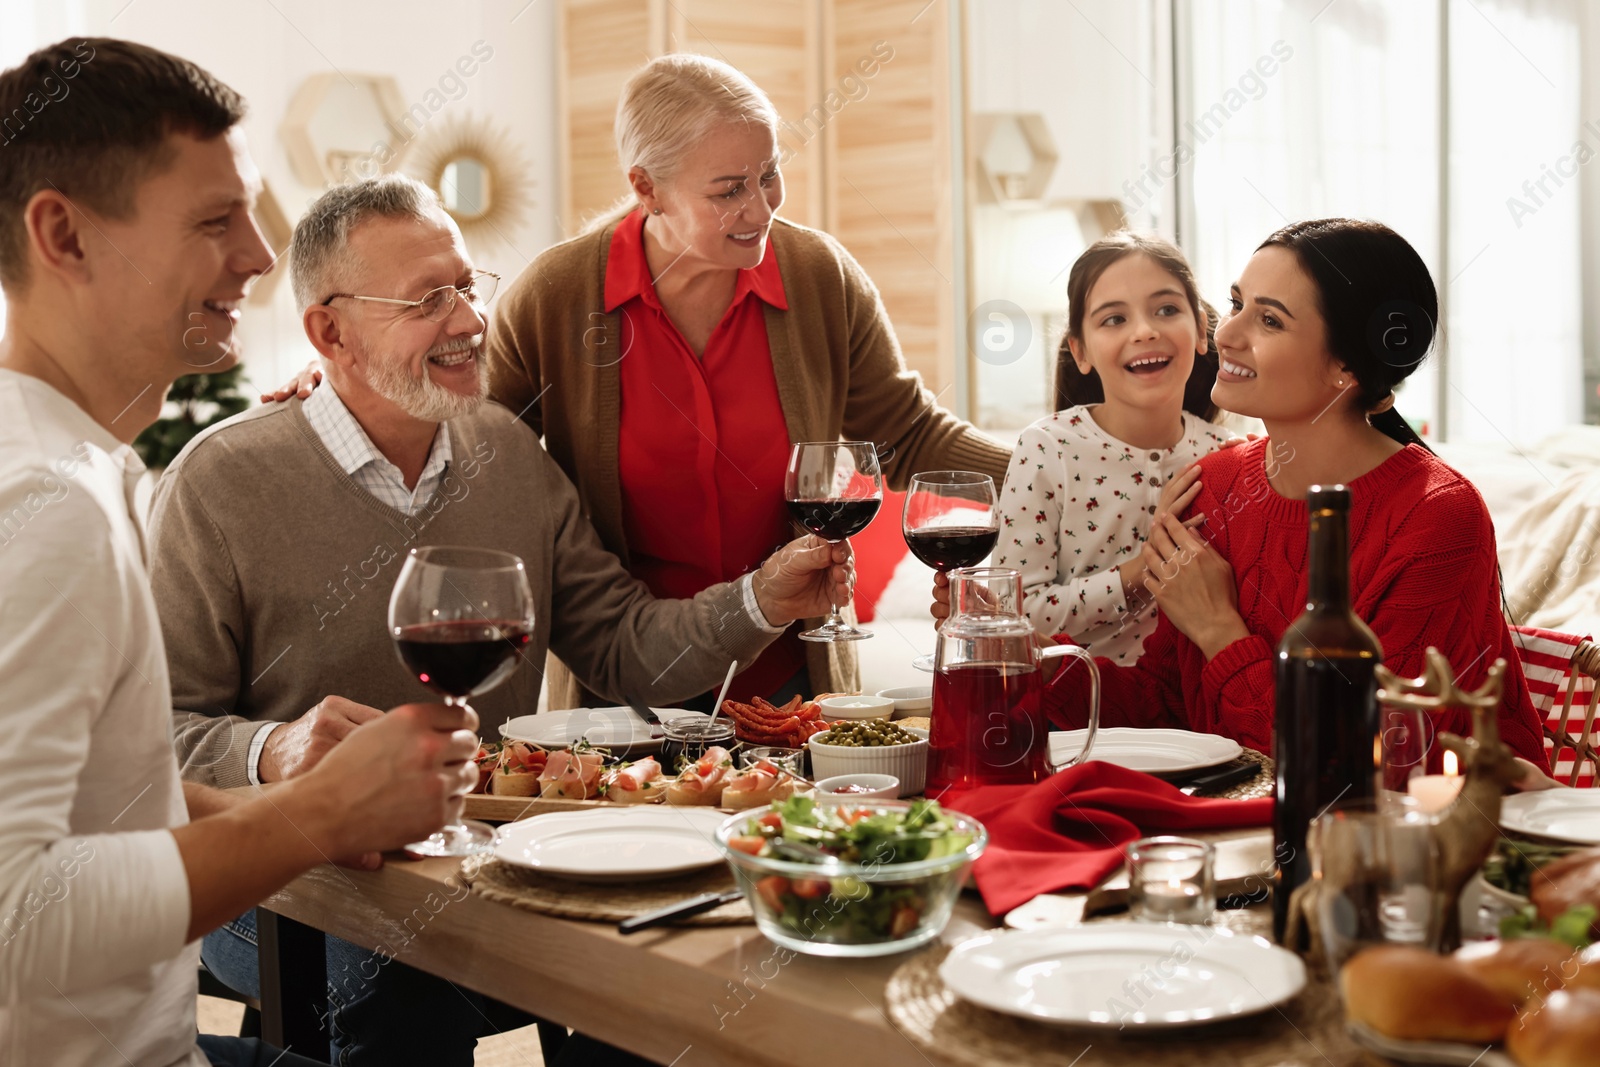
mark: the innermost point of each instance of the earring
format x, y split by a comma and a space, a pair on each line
1341, 383
657, 211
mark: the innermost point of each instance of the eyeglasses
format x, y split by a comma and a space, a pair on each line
437, 304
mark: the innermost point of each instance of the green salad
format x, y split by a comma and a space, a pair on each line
1512, 864
847, 908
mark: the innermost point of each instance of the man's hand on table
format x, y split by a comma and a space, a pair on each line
296, 747
805, 578
396, 779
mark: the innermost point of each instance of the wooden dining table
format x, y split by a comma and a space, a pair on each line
682, 995
686, 995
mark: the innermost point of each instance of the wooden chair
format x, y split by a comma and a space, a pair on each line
1578, 735
1563, 676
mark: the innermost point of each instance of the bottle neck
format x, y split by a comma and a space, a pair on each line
1328, 559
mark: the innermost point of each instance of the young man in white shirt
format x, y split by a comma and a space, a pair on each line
126, 246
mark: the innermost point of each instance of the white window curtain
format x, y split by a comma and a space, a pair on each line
1304, 108
1346, 124
1515, 325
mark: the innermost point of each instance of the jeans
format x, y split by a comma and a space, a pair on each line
248, 1052
379, 1010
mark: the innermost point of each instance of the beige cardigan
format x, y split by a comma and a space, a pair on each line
553, 355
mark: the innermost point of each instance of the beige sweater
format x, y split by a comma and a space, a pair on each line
272, 571
554, 350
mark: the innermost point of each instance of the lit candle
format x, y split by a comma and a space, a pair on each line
1175, 901
1436, 792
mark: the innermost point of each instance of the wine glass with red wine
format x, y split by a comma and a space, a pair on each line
460, 618
834, 489
950, 520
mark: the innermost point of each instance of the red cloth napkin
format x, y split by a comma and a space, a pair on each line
1069, 831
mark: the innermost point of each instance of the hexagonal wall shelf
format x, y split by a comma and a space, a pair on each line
343, 126
1015, 154
278, 231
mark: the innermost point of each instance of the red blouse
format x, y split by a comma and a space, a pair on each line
703, 444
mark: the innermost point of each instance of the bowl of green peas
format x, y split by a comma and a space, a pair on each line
872, 746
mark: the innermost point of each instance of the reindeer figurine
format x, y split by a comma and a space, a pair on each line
1464, 833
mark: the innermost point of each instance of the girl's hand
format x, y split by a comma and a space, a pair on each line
300, 385
1193, 586
941, 596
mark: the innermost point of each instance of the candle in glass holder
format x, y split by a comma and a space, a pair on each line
1436, 792
1171, 879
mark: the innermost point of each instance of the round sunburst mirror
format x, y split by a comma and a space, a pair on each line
479, 174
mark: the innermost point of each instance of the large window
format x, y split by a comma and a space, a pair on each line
1456, 123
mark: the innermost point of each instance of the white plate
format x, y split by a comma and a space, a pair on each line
1442, 1052
1147, 975
620, 845
616, 728
1561, 814
1151, 751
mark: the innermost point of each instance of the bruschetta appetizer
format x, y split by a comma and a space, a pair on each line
756, 787
639, 782
702, 782
516, 774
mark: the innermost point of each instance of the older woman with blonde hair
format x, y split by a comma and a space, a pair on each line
672, 352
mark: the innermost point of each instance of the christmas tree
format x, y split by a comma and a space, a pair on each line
198, 400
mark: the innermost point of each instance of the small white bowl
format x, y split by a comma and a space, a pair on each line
855, 708
909, 763
877, 787
909, 700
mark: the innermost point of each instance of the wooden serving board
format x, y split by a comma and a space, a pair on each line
488, 808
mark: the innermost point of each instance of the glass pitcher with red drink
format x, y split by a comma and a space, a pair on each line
989, 725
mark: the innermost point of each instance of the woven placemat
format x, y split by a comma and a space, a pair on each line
1251, 788
604, 903
1306, 1032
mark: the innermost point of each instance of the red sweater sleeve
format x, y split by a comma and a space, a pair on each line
1438, 585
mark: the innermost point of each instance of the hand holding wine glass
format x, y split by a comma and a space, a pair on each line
950, 521
460, 618
834, 488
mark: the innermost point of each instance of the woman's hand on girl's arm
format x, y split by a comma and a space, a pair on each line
300, 385
1193, 586
1175, 499
1179, 493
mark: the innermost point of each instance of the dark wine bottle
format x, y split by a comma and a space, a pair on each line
1326, 728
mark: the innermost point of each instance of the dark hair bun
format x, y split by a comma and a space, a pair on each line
1400, 333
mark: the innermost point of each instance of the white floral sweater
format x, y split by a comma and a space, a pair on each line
1077, 504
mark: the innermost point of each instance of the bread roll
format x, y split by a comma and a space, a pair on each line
1564, 1031
1566, 883
1583, 970
514, 785
1523, 969
1415, 995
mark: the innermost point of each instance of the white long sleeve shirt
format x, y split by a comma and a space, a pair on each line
1076, 505
94, 898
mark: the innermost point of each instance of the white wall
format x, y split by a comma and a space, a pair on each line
266, 48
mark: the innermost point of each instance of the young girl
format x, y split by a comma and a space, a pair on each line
1133, 380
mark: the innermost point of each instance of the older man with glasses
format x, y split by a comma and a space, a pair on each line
277, 535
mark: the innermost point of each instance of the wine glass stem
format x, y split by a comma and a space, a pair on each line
457, 702
834, 618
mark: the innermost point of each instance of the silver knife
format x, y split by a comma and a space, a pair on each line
681, 910
651, 718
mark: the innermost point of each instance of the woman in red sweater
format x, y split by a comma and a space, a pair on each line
1327, 318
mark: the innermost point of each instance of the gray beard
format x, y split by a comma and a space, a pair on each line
422, 398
